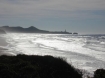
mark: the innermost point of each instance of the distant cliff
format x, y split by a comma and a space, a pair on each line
19, 29
30, 29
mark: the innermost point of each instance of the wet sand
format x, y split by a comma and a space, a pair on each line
3, 42
3, 45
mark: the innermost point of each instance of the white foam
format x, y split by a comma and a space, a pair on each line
84, 52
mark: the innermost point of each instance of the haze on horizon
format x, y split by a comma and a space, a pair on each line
82, 16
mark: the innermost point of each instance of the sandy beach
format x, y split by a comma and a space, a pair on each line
3, 44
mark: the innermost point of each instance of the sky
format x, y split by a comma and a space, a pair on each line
82, 16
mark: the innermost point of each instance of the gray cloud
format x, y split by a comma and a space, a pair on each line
46, 8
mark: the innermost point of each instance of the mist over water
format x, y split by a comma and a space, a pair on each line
85, 52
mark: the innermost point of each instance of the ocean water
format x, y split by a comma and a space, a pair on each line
85, 52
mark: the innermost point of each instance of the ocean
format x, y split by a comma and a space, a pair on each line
85, 52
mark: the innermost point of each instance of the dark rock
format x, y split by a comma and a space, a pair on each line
75, 33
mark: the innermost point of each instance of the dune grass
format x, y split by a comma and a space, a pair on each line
33, 66
99, 73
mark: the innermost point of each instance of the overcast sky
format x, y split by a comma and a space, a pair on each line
82, 16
